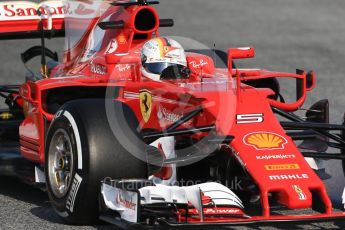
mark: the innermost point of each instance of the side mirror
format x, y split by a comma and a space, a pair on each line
131, 62
239, 53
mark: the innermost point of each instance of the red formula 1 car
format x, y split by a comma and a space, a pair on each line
135, 136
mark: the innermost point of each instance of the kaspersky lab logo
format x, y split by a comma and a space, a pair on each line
265, 140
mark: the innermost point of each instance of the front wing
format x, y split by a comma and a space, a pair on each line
209, 204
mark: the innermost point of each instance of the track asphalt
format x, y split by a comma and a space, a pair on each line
287, 34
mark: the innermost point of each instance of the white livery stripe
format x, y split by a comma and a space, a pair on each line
77, 138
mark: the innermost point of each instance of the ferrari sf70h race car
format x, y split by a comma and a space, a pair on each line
135, 130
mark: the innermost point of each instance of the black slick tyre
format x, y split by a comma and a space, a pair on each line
81, 150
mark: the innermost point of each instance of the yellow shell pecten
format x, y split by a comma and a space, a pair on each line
265, 140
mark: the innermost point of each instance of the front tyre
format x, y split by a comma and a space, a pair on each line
81, 150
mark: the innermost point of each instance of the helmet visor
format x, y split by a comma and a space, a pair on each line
156, 67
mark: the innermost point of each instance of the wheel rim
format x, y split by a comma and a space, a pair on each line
60, 163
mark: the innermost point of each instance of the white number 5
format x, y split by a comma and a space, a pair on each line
249, 118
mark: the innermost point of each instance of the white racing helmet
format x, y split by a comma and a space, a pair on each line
164, 59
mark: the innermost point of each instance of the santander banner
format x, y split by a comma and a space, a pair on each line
24, 10
19, 16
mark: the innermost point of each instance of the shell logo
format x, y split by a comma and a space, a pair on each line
265, 140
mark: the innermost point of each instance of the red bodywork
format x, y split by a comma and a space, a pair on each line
270, 156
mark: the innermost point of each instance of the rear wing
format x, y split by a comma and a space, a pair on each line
20, 19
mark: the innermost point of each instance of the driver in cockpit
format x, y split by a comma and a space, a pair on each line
164, 59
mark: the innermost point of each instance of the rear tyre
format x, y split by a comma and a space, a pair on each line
81, 150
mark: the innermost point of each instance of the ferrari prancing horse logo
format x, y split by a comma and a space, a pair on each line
145, 104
